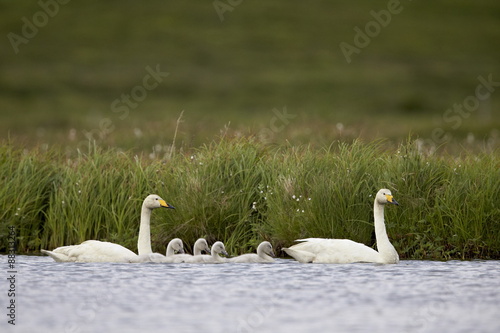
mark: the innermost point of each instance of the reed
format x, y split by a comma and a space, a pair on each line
448, 205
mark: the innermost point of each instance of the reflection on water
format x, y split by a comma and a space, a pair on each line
413, 296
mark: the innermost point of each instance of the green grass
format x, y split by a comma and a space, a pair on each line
448, 205
228, 79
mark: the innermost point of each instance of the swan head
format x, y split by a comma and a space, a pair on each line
218, 248
154, 201
385, 196
176, 245
266, 247
202, 245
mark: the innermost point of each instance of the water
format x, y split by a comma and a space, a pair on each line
413, 296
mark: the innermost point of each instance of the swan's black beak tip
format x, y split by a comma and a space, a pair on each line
164, 204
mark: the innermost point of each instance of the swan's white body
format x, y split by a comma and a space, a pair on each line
199, 246
97, 251
343, 251
264, 254
92, 251
213, 258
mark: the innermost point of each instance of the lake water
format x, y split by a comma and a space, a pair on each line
413, 296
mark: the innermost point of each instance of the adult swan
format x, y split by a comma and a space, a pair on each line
97, 251
342, 251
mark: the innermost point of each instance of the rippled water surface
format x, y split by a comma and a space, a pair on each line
413, 296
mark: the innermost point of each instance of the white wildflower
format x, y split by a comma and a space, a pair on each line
137, 132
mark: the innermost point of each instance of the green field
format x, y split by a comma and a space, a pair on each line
62, 83
125, 98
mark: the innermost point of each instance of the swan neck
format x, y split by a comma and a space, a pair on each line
170, 250
197, 250
267, 257
144, 241
380, 232
385, 249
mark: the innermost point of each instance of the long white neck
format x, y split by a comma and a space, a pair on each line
144, 241
198, 247
266, 256
170, 250
387, 252
262, 254
215, 256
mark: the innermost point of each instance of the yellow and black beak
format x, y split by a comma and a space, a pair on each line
391, 200
166, 205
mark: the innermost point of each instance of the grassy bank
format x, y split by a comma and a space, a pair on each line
448, 206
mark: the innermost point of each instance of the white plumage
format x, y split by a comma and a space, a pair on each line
199, 246
342, 251
97, 251
213, 258
92, 251
264, 254
174, 246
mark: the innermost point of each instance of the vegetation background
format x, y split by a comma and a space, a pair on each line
265, 93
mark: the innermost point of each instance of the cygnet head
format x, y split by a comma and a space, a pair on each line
218, 248
154, 201
385, 196
176, 245
201, 245
265, 247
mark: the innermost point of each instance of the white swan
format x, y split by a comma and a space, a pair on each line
97, 251
321, 250
92, 251
173, 247
213, 258
264, 254
199, 246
